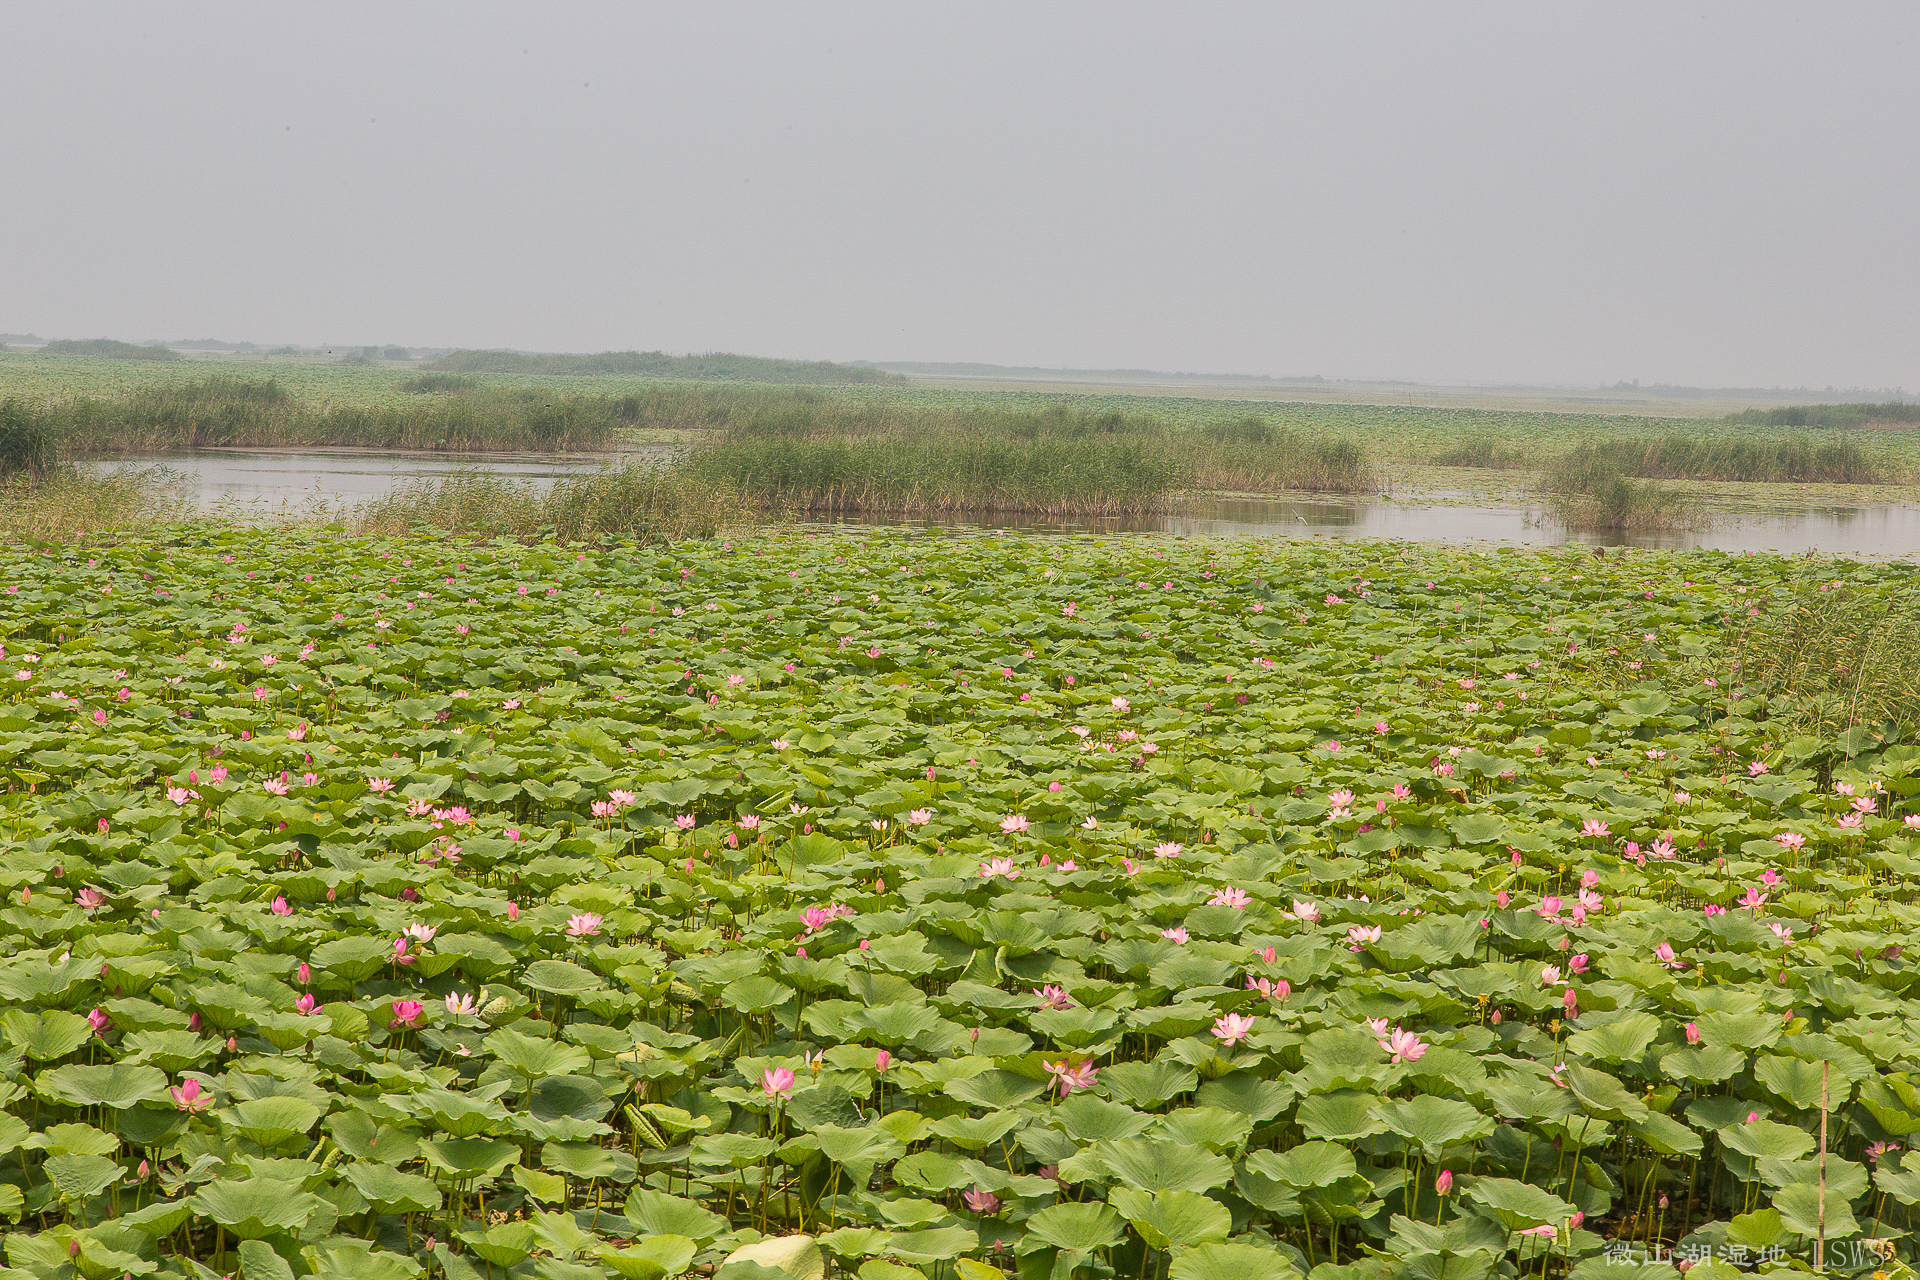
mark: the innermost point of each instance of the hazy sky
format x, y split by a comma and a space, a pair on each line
1718, 194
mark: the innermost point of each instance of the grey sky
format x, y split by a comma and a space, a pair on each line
1717, 194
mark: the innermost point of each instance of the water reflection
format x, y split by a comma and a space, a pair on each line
257, 479
1885, 529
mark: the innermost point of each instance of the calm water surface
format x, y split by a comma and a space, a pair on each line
274, 479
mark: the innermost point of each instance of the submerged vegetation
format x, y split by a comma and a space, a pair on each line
943, 907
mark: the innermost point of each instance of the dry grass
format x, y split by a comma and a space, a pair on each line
72, 506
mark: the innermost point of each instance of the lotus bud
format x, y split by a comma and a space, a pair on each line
513, 911
1444, 1183
1693, 1033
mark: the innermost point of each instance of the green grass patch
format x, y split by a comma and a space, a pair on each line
712, 366
106, 348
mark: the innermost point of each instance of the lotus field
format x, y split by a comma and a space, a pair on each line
949, 906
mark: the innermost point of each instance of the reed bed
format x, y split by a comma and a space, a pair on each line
1841, 657
70, 505
649, 505
1798, 457
221, 411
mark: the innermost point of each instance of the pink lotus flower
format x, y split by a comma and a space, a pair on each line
1595, 828
584, 924
281, 907
1784, 932
513, 911
1177, 934
1550, 976
1756, 768
1545, 1232
1754, 899
1693, 1033
1444, 1183
1230, 897
189, 1097
1167, 849
1577, 963
999, 867
776, 1082
1232, 1028
1549, 907
1013, 824
306, 1004
1403, 1046
400, 955
1360, 936
406, 1013
379, 786
1306, 911
1571, 1003
1070, 1076
1121, 704
919, 817
421, 932
460, 1005
179, 795
99, 1021
882, 1060
1052, 997
684, 822
1664, 954
981, 1202
90, 899
275, 786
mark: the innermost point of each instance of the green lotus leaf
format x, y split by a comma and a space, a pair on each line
78, 1176
390, 1191
1308, 1165
254, 1208
1520, 1204
1622, 1040
1083, 1225
1767, 1138
118, 1085
1234, 1262
270, 1121
1173, 1219
45, 1036
462, 1159
657, 1213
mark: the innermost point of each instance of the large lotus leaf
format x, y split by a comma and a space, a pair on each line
340, 1259
974, 1133
45, 1036
1341, 1116
1307, 1165
1747, 1031
78, 1176
1173, 1219
1232, 1262
1148, 1165
1214, 1128
1088, 1119
1342, 1057
587, 1160
118, 1085
1667, 1135
1432, 1123
756, 993
1147, 1084
1804, 1210
465, 1158
931, 1171
352, 959
270, 1121
355, 1133
458, 1115
1845, 1179
390, 1191
997, 1090
1602, 1095
534, 1057
659, 1214
1077, 1225
561, 978
936, 1244
1767, 1138
568, 1097
651, 1258
256, 1207
1705, 1064
1799, 1082
171, 1051
1622, 1040
824, 1104
72, 1140
503, 1245
1246, 1093
1520, 1204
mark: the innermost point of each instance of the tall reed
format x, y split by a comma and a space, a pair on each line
643, 503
